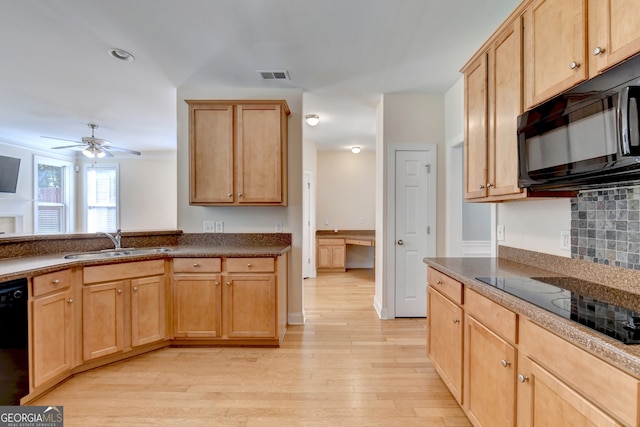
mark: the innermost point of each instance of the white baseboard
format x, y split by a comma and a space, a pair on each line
296, 319
476, 248
382, 313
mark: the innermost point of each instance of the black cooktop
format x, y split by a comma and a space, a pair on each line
553, 294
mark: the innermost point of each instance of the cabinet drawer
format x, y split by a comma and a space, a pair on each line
330, 242
606, 386
359, 242
492, 315
123, 271
197, 265
52, 282
250, 265
445, 285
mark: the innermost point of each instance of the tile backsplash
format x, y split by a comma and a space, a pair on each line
605, 227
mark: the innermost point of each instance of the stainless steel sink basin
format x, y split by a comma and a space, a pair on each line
117, 253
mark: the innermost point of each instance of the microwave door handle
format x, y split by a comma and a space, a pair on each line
623, 108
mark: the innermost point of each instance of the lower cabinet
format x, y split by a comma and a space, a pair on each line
445, 337
123, 307
53, 326
230, 299
331, 254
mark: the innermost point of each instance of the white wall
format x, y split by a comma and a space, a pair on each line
249, 219
535, 225
346, 190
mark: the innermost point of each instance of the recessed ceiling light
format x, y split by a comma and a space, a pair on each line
355, 149
120, 54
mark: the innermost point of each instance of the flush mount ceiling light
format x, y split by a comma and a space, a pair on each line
355, 149
120, 54
312, 119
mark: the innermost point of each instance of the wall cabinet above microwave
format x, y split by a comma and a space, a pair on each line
238, 152
536, 54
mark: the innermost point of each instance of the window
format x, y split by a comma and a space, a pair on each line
102, 207
52, 196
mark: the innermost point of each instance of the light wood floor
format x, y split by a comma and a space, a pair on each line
345, 367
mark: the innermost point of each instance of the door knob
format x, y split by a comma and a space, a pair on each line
400, 242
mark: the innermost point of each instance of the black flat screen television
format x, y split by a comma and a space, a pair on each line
9, 169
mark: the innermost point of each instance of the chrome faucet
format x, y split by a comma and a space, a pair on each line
116, 239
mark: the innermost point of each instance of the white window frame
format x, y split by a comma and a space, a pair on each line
68, 195
85, 189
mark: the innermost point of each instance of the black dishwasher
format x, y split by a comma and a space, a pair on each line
14, 356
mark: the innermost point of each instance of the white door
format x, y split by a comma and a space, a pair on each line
412, 231
308, 240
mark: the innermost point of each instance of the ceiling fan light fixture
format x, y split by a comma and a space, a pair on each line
121, 54
312, 119
89, 152
355, 149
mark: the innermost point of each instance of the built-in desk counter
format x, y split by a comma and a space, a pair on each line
332, 247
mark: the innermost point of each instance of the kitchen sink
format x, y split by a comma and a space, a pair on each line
112, 253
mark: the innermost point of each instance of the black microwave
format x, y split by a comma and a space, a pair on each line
588, 137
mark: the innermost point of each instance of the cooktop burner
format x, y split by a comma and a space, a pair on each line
550, 294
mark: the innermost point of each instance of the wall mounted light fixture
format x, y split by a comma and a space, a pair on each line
312, 119
355, 149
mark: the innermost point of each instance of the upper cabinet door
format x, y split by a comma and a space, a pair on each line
211, 153
614, 33
260, 153
554, 48
475, 141
505, 104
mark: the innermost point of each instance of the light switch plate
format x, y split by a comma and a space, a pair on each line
500, 233
209, 226
565, 240
219, 226
279, 227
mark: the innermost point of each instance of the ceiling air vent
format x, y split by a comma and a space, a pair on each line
274, 75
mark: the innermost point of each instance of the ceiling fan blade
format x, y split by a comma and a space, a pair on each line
69, 146
61, 139
106, 153
111, 147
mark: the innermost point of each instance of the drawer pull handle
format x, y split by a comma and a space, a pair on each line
523, 378
196, 265
70, 300
55, 281
249, 265
505, 363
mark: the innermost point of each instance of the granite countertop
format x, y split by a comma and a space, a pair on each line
28, 266
465, 270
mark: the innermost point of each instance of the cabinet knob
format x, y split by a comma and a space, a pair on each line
228, 283
249, 265
489, 185
229, 195
438, 282
70, 300
482, 187
598, 50
135, 289
239, 194
523, 378
196, 265
119, 291
505, 363
456, 320
216, 283
574, 65
55, 281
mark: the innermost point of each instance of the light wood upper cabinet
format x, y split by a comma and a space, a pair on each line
614, 33
493, 100
238, 152
555, 34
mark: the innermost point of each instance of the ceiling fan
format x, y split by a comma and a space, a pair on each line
93, 147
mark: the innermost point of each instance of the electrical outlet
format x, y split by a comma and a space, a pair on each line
361, 220
209, 226
279, 227
219, 226
500, 233
565, 240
